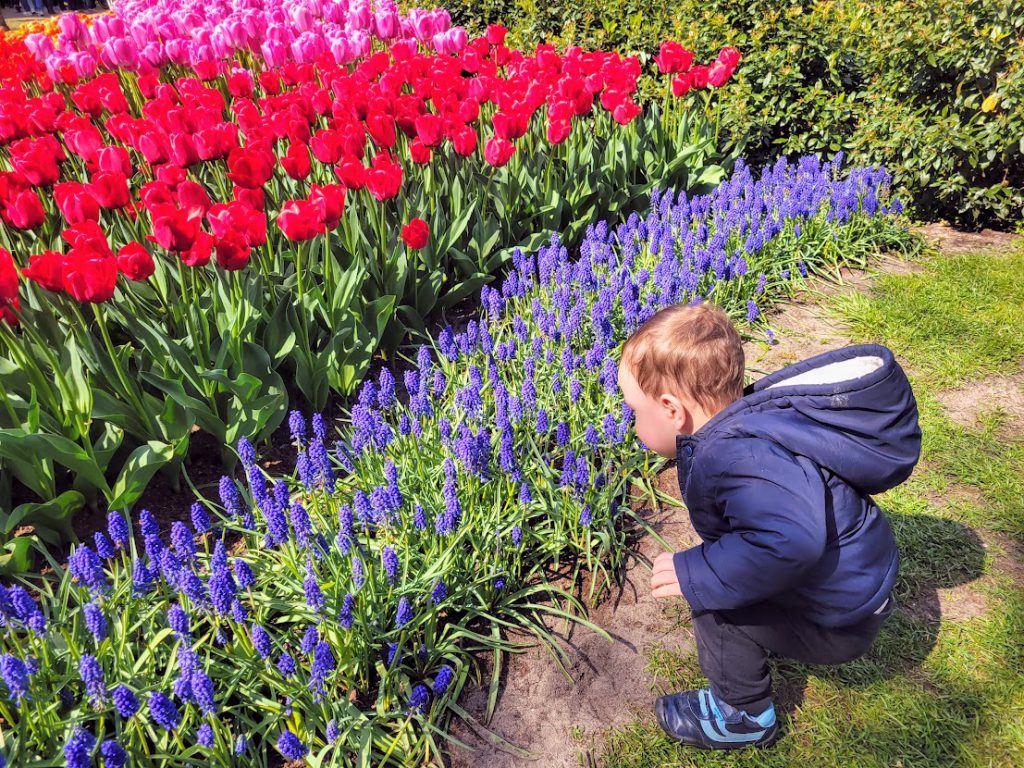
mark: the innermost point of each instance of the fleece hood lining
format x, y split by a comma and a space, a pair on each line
836, 372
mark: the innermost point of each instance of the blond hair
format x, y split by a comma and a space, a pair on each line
692, 350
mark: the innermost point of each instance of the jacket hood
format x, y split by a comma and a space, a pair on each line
851, 411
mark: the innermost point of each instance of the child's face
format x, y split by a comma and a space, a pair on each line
657, 420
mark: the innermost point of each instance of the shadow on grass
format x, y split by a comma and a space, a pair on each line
935, 554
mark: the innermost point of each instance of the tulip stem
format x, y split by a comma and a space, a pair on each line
130, 392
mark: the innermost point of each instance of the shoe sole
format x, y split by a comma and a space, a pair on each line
771, 736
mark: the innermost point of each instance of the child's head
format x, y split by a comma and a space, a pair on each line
678, 370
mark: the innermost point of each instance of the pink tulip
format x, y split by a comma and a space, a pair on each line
386, 25
84, 62
274, 53
177, 51
359, 15
73, 29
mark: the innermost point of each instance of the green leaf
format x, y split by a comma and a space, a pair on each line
15, 442
51, 519
16, 557
137, 471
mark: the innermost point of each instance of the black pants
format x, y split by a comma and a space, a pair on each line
733, 647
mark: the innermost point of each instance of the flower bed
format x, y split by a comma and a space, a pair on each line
189, 249
342, 627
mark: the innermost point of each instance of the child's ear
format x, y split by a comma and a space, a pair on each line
675, 410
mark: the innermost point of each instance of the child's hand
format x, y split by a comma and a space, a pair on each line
663, 580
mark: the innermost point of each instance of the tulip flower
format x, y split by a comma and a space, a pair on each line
176, 229
88, 278
233, 252
673, 58
135, 262
384, 178
46, 269
75, 202
498, 151
24, 210
300, 220
8, 278
416, 234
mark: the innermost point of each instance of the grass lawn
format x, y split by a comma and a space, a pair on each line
943, 685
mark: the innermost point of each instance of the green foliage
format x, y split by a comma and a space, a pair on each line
900, 84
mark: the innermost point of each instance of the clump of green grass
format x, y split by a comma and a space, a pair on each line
961, 317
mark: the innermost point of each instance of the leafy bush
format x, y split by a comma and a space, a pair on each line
934, 91
344, 628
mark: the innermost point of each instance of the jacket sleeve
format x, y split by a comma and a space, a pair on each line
774, 506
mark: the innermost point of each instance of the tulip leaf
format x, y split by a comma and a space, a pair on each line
137, 471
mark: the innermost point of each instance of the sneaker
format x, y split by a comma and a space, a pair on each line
698, 719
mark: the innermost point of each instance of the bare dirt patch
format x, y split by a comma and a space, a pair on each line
951, 240
965, 404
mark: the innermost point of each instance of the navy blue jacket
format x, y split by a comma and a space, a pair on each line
779, 484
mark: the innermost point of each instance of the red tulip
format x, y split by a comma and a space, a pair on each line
719, 74
496, 34
200, 252
626, 111
250, 168
558, 131
699, 76
681, 84
89, 279
174, 228
300, 220
419, 152
240, 84
193, 195
47, 269
351, 172
154, 147
296, 161
332, 196
88, 237
510, 126
384, 178
36, 161
75, 202
353, 139
469, 110
114, 160
464, 140
8, 312
238, 217
183, 150
24, 210
8, 278
381, 127
327, 146
170, 174
233, 252
110, 190
729, 56
430, 129
498, 151
156, 193
673, 58
216, 142
252, 198
135, 262
416, 234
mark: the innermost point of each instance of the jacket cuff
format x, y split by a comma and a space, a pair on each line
682, 565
